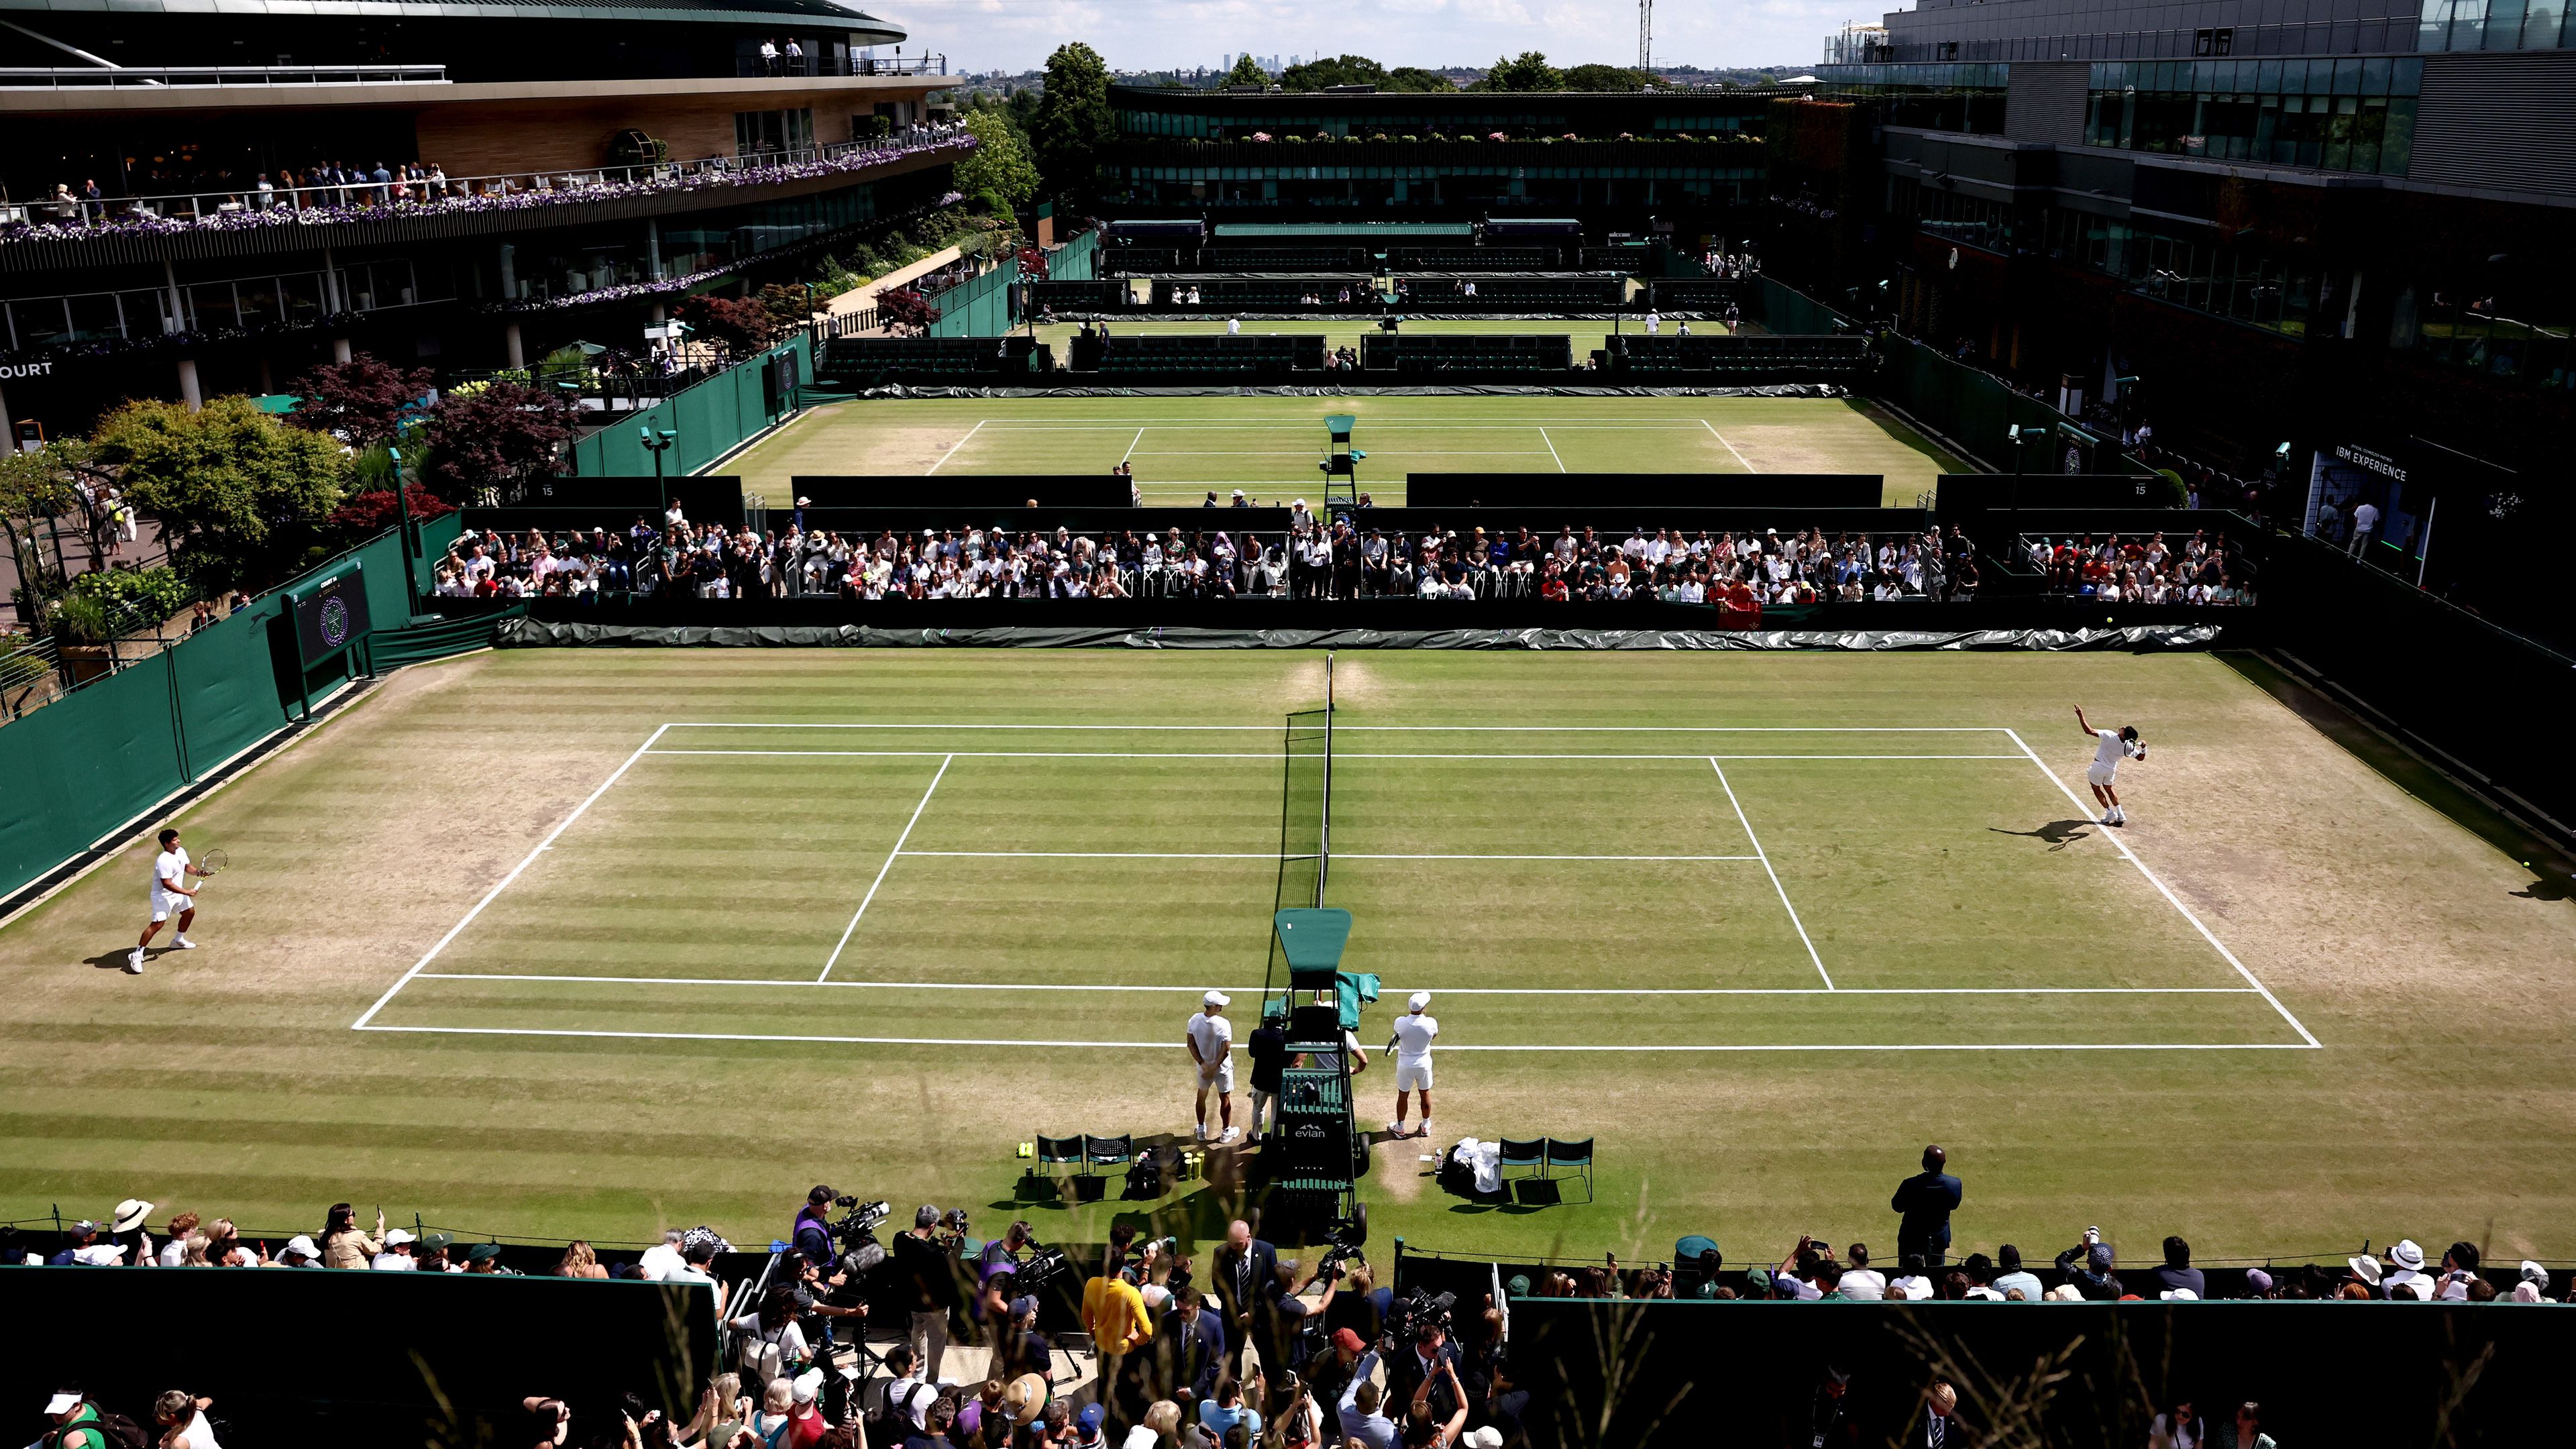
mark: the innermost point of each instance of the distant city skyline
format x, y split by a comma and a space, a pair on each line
1013, 35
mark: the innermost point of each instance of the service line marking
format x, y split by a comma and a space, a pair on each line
891, 855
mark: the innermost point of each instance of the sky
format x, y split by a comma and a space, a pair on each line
1014, 35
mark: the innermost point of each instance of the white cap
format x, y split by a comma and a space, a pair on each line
1215, 998
2179, 1295
808, 1384
1420, 1000
396, 1237
62, 1403
303, 1244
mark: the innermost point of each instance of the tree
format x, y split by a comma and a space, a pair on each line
1415, 78
368, 514
1246, 72
1606, 78
740, 324
362, 402
904, 310
1530, 72
1339, 70
501, 436
998, 171
1073, 122
243, 497
33, 486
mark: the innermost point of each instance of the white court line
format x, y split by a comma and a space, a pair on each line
503, 884
816, 1038
2176, 901
1267, 855
1273, 755
1389, 994
1775, 875
1551, 449
889, 865
1384, 729
1131, 446
961, 442
1730, 447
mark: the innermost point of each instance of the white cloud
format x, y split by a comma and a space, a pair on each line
1156, 34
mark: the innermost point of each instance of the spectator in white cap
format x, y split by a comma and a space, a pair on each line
300, 1252
1412, 1047
1211, 1042
397, 1256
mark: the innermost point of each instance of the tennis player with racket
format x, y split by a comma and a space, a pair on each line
172, 895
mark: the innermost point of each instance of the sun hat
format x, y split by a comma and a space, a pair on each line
2179, 1295
1419, 1001
2407, 1256
1487, 1437
1215, 998
130, 1215
2065, 1293
2534, 1273
1026, 1395
483, 1252
2365, 1268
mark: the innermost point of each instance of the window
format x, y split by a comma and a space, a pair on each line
758, 133
2221, 41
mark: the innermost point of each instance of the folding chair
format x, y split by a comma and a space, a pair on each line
1100, 1152
1054, 1152
1531, 1154
1577, 1155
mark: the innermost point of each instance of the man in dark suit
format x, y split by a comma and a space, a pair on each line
1189, 1346
1244, 1280
1409, 1368
1939, 1428
1923, 1204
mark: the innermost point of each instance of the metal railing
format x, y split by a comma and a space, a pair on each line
189, 77
269, 202
39, 671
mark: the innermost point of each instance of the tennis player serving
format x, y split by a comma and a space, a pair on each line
172, 895
2110, 747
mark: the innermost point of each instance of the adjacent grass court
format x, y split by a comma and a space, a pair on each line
1184, 447
636, 937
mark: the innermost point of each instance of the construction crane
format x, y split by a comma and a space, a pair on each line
1646, 36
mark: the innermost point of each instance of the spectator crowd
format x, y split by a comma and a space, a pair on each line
2143, 569
1316, 558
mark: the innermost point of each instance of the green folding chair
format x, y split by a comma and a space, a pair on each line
1576, 1155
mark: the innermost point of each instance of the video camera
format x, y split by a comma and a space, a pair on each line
1408, 1315
1346, 1238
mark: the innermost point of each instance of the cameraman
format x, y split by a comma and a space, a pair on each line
926, 1270
1429, 1364
811, 1237
1343, 1357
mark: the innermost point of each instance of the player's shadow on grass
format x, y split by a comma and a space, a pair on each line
2058, 833
115, 960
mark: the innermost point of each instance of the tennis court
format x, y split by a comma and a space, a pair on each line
1182, 448
984, 841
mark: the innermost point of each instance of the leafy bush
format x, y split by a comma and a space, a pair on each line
154, 593
371, 513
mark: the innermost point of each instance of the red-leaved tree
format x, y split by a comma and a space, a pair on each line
740, 324
904, 310
501, 435
369, 514
362, 401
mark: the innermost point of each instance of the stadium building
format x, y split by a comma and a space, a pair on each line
590, 163
1617, 159
2328, 244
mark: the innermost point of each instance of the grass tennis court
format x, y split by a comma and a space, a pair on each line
1183, 447
1347, 331
649, 936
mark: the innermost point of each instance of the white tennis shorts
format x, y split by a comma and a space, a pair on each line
2101, 774
165, 905
1223, 1081
1413, 1076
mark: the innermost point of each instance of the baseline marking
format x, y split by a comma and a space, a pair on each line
1551, 449
1765, 858
2175, 901
1376, 729
2038, 1046
961, 442
889, 865
1730, 447
504, 883
1273, 755
801, 983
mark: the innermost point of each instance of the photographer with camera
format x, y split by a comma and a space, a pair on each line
926, 1267
811, 1235
1330, 1371
1428, 1366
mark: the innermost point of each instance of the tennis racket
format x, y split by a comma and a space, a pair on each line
212, 861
